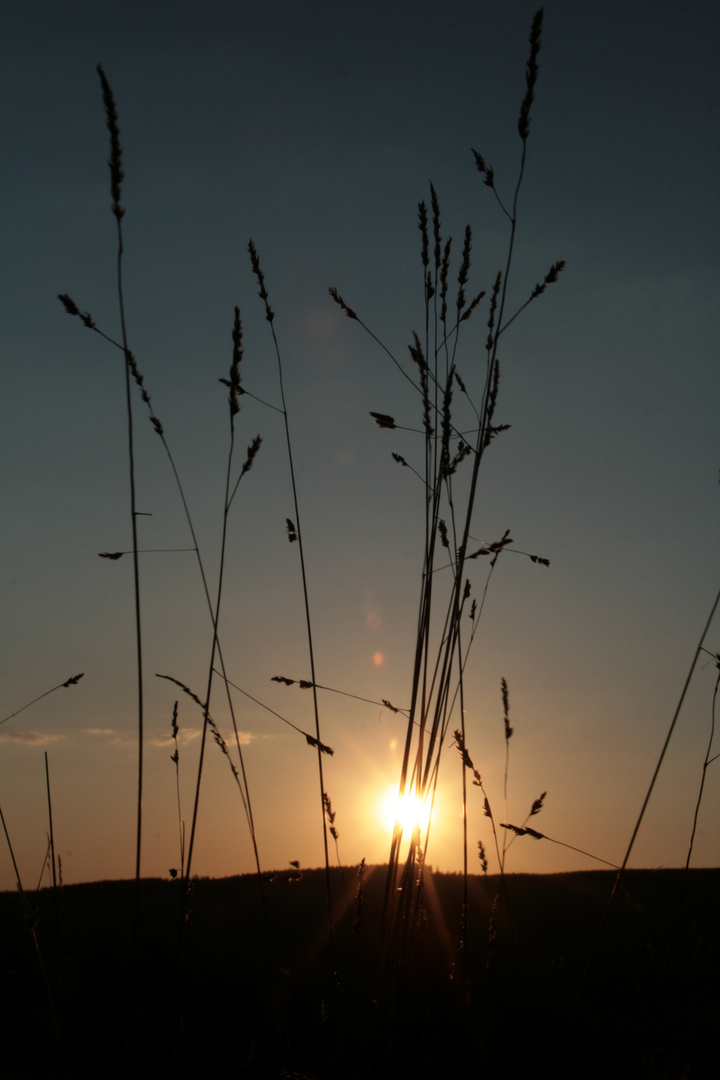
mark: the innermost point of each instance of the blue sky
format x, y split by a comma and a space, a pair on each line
315, 131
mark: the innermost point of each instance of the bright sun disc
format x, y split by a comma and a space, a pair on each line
408, 811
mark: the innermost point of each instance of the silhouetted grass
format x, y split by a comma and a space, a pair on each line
458, 426
429, 974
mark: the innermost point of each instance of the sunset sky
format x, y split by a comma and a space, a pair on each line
314, 129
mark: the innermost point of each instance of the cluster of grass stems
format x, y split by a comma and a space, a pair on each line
456, 401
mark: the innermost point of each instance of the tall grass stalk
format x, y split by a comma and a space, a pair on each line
235, 390
668, 737
705, 765
234, 383
508, 736
52, 855
88, 321
593, 952
132, 369
116, 178
175, 758
295, 534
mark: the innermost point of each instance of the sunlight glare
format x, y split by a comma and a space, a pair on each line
410, 811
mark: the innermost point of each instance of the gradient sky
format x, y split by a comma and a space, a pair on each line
314, 128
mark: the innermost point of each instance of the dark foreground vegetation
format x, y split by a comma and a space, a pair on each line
249, 993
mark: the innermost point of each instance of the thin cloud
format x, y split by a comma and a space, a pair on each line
244, 737
115, 738
31, 738
185, 736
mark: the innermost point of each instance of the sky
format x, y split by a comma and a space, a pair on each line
314, 130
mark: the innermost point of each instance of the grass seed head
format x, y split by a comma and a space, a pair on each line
252, 451
383, 420
312, 741
437, 250
341, 303
111, 118
423, 226
464, 268
550, 278
444, 271
234, 383
506, 708
487, 171
530, 75
72, 309
263, 293
359, 898
460, 743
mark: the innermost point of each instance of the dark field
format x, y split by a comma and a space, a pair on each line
252, 996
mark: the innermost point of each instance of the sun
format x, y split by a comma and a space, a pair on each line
409, 811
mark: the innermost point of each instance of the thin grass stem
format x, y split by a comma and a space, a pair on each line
270, 317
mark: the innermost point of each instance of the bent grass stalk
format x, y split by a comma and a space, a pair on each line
68, 682
309, 739
218, 738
